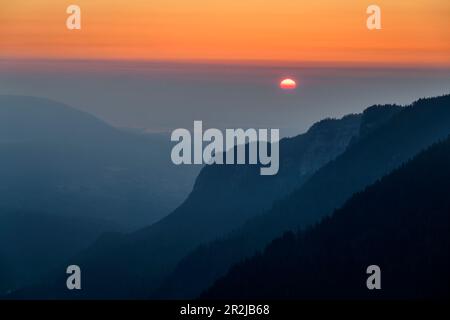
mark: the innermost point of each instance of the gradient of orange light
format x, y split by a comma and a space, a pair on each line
414, 31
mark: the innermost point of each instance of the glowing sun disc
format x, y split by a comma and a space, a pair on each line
288, 84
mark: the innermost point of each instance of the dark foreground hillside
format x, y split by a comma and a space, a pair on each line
401, 223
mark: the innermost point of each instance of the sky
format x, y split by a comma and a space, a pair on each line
159, 65
413, 31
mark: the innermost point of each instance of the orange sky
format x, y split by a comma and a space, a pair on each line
414, 32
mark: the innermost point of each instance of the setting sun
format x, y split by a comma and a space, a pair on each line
288, 84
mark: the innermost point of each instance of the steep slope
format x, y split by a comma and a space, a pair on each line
387, 139
222, 199
58, 160
401, 223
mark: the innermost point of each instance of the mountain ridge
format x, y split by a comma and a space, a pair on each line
401, 223
196, 221
58, 159
375, 153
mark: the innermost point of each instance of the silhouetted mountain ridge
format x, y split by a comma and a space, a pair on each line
223, 198
56, 159
133, 266
393, 136
401, 223
66, 177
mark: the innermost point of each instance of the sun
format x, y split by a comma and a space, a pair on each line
288, 84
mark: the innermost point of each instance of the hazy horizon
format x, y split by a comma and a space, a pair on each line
162, 96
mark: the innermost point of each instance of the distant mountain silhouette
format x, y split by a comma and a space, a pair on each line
401, 223
223, 198
62, 161
66, 177
388, 138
